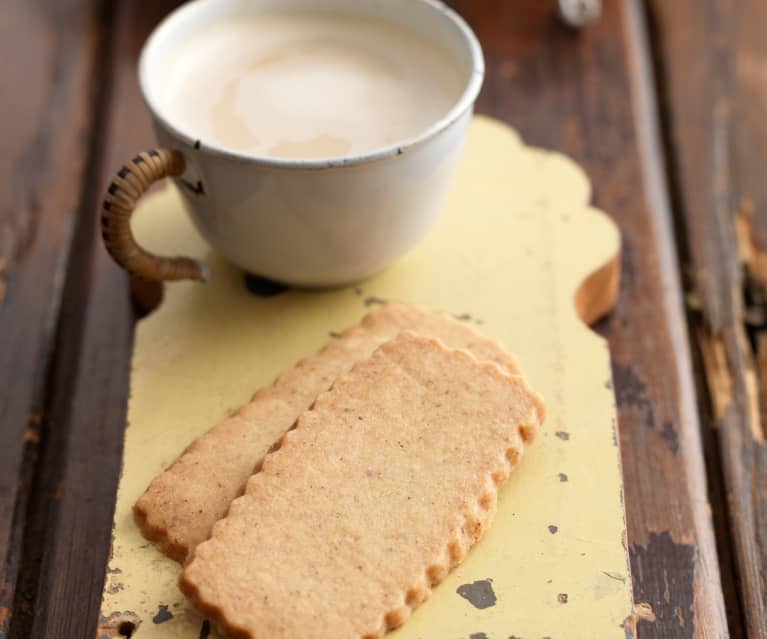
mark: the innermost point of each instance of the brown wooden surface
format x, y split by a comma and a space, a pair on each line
717, 85
48, 57
666, 121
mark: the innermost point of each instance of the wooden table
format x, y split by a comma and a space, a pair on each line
664, 105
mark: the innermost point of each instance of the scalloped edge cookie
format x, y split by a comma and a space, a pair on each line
182, 503
380, 490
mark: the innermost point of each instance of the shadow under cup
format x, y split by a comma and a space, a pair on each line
305, 222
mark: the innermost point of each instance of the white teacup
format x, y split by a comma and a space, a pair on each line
305, 222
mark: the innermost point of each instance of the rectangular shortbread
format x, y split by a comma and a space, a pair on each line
382, 488
181, 504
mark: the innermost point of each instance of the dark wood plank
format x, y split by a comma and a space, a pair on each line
48, 51
590, 95
713, 57
74, 496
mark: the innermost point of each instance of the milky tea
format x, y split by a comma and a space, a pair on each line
309, 85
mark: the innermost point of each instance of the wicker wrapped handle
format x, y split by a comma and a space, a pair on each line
127, 186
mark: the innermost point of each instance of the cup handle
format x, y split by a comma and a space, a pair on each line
127, 186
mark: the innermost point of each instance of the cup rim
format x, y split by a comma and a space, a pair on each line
459, 108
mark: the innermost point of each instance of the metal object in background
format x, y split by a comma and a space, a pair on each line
579, 13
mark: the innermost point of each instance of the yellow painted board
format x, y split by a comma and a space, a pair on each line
515, 243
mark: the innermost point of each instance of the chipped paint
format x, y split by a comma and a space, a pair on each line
668, 568
640, 612
479, 594
115, 625
163, 614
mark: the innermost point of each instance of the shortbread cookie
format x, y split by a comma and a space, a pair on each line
382, 487
181, 504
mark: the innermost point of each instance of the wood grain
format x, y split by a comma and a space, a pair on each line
713, 57
48, 52
89, 378
586, 95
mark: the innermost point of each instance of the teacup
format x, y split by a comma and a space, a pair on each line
302, 218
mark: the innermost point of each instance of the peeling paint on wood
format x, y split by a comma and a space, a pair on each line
163, 615
479, 594
115, 625
667, 570
641, 612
